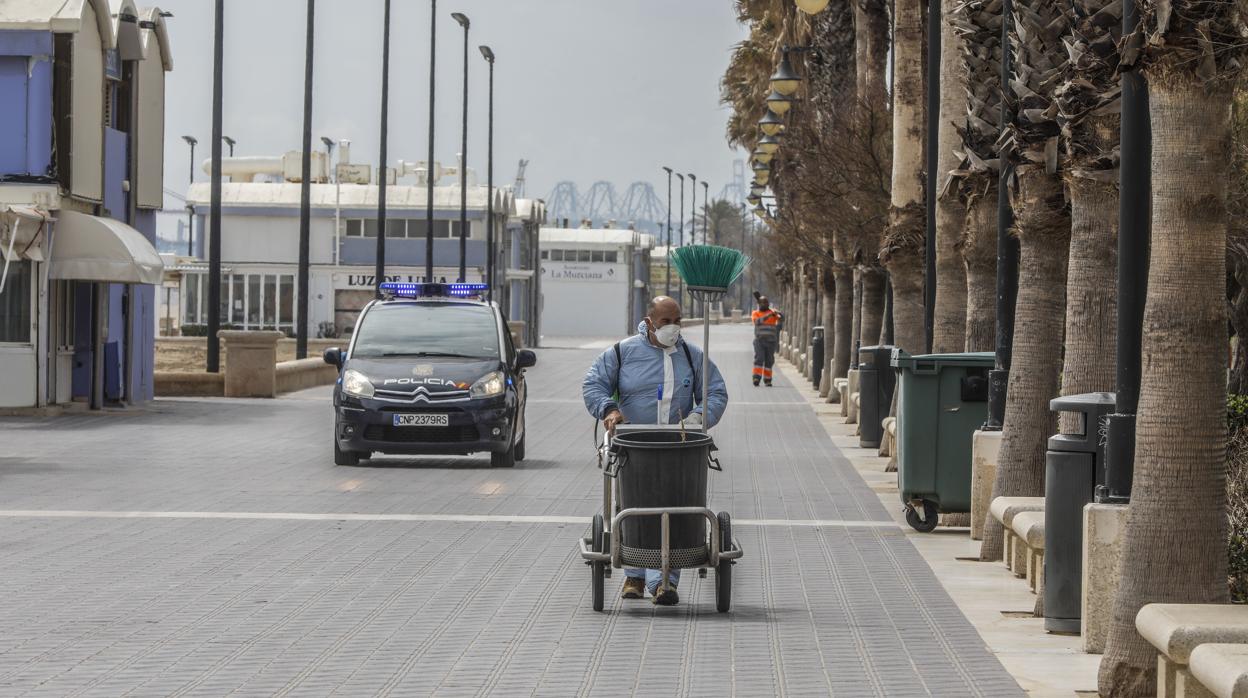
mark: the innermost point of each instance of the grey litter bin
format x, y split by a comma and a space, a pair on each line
1074, 465
876, 381
816, 355
662, 468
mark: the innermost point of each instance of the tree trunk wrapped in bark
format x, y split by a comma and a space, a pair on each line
979, 251
1042, 223
949, 329
1089, 101
844, 320
873, 282
978, 23
1043, 226
1175, 541
903, 247
828, 309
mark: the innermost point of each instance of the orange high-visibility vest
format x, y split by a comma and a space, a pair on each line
766, 324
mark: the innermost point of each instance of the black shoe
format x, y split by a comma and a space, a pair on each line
665, 597
755, 382
769, 385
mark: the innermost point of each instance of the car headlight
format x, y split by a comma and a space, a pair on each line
489, 385
356, 384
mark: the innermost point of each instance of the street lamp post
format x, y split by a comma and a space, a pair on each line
667, 278
693, 224
214, 206
230, 142
190, 210
433, 40
463, 161
380, 258
489, 179
706, 212
680, 231
305, 194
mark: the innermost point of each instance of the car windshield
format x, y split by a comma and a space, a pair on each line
427, 329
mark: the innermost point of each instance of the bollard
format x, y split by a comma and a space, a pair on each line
816, 355
1074, 465
876, 381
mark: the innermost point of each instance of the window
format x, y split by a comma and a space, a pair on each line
610, 256
66, 334
545, 254
396, 228
403, 329
270, 300
15, 304
286, 302
355, 228
596, 256
191, 293
584, 256
238, 299
370, 227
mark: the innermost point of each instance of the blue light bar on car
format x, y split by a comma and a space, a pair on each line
433, 290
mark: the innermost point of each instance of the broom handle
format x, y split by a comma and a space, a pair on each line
706, 362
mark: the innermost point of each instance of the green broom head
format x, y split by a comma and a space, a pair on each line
709, 267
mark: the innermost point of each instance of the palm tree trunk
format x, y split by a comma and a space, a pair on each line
979, 251
1175, 540
1043, 228
1091, 291
903, 248
949, 331
843, 335
829, 321
855, 337
872, 305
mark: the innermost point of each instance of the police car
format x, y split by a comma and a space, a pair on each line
431, 369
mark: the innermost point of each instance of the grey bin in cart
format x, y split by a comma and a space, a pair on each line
816, 355
876, 381
941, 400
1074, 465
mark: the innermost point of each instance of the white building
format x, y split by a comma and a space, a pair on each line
595, 282
260, 242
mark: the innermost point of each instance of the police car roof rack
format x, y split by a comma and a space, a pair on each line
459, 291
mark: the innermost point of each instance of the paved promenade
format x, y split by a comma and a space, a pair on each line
211, 547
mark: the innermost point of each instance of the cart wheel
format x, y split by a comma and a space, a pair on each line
931, 517
606, 548
723, 573
596, 568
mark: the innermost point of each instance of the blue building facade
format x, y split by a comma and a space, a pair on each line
81, 176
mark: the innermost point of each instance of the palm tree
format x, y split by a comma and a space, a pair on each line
949, 326
1088, 106
979, 24
1175, 541
1042, 224
903, 248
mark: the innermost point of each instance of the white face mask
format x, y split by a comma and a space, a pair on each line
667, 335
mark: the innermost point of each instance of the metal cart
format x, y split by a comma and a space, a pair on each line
604, 549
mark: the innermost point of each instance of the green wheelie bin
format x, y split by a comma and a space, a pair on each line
941, 400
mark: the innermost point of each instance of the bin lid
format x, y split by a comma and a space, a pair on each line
1088, 403
978, 359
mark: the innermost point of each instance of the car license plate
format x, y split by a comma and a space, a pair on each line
421, 420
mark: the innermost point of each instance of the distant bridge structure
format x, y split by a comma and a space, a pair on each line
639, 206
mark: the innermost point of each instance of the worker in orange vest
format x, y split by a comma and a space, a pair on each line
767, 326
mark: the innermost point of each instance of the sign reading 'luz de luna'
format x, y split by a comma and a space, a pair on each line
579, 272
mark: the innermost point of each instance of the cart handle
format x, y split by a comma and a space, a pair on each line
713, 463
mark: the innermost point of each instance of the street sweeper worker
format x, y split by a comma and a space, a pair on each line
767, 325
650, 378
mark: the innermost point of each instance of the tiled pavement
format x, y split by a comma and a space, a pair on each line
212, 599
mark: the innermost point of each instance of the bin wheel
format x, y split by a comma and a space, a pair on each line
723, 572
596, 568
931, 517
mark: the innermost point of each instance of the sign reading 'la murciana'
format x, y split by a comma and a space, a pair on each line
579, 272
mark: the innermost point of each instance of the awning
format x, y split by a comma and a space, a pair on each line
90, 248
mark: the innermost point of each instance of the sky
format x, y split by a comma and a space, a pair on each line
586, 90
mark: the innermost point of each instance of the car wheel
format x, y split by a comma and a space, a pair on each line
504, 459
519, 448
342, 457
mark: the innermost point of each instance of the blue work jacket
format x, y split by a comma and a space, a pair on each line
641, 378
